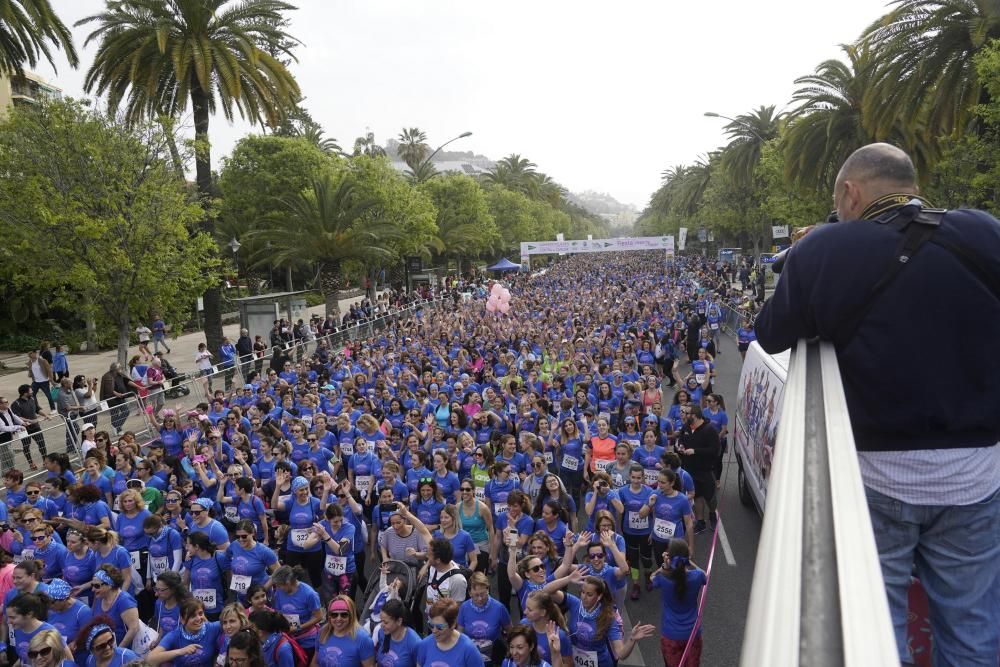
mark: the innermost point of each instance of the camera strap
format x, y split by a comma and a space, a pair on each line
917, 225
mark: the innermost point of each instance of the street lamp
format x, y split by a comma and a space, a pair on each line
235, 246
746, 126
461, 136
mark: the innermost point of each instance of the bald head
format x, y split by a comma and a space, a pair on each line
871, 172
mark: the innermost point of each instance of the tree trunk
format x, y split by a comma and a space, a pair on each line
124, 328
91, 326
330, 284
167, 124
212, 298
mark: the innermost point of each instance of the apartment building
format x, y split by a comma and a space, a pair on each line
28, 89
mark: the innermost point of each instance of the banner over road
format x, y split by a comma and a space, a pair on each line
598, 245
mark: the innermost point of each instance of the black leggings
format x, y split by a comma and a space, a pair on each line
638, 549
312, 561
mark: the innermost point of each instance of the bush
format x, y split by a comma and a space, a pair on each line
314, 298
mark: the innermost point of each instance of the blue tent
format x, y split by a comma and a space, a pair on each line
504, 265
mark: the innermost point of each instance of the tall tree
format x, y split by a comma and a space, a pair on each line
466, 228
366, 145
422, 173
924, 52
514, 173
119, 228
27, 29
747, 135
328, 225
413, 148
157, 56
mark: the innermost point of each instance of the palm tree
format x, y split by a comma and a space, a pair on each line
326, 226
748, 133
413, 148
27, 28
421, 173
367, 145
514, 173
314, 134
924, 53
156, 56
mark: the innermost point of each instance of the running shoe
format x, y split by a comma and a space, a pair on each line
700, 527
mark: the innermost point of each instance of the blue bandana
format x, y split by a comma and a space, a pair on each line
96, 630
59, 589
104, 578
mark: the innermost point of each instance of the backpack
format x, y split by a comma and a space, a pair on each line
439, 580
298, 653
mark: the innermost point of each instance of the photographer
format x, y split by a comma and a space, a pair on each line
890, 283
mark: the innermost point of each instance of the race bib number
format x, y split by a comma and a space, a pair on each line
144, 639
663, 530
713, 325
293, 619
549, 458
651, 476
363, 484
499, 508
232, 513
240, 583
570, 462
583, 658
336, 565
158, 565
207, 596
299, 536
136, 560
699, 377
347, 448
606, 466
637, 522
307, 420
116, 506
480, 493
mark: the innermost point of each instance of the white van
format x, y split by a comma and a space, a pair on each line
758, 406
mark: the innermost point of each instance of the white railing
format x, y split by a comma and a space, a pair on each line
818, 596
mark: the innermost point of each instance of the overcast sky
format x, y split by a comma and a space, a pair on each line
601, 95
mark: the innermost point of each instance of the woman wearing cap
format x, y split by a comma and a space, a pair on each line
66, 614
193, 644
170, 594
24, 614
251, 561
303, 511
115, 603
484, 619
342, 641
299, 603
99, 640
47, 649
446, 645
205, 573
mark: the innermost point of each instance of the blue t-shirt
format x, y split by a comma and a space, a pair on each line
277, 652
678, 616
204, 656
122, 656
206, 580
668, 517
483, 626
565, 647
162, 547
22, 639
168, 619
69, 622
116, 612
461, 546
448, 484
463, 654
525, 526
300, 519
302, 603
632, 523
216, 532
251, 562
602, 503
345, 651
130, 531
399, 654
583, 631
428, 511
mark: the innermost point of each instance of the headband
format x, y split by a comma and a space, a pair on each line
339, 605
104, 578
58, 589
96, 630
204, 503
678, 562
299, 482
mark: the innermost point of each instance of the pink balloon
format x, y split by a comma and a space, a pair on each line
491, 306
496, 288
504, 307
494, 299
505, 294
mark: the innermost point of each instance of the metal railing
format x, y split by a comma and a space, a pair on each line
818, 596
732, 319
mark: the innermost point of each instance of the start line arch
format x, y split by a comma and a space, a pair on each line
529, 248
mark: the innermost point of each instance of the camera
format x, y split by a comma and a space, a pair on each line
387, 508
778, 261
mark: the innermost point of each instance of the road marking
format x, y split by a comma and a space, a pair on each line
635, 658
726, 549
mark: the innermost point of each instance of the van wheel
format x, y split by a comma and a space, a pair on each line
745, 497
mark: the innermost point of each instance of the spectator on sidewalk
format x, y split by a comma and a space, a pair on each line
31, 414
244, 348
60, 363
227, 361
159, 334
41, 376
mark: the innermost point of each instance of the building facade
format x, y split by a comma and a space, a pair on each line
25, 90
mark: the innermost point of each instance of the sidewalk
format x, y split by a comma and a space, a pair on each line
182, 351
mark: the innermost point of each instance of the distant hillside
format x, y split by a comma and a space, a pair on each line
616, 213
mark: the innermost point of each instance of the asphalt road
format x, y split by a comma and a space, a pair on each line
729, 587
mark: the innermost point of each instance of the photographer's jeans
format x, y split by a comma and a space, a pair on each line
956, 551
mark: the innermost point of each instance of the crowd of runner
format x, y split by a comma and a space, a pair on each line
460, 488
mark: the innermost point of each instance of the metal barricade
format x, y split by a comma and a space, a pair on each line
129, 415
53, 435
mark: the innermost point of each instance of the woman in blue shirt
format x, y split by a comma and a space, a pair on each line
680, 582
274, 648
66, 613
594, 625
251, 562
111, 601
205, 574
100, 641
342, 641
299, 603
170, 593
446, 645
47, 550
499, 488
339, 565
165, 546
24, 614
429, 504
193, 644
395, 643
484, 619
446, 480
303, 511
636, 525
568, 453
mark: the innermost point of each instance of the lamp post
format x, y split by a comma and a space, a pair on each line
235, 246
435, 152
746, 126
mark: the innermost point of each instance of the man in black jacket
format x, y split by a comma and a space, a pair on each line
244, 352
929, 453
699, 447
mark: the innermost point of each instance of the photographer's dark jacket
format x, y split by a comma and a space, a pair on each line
921, 371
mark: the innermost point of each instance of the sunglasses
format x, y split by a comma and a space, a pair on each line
243, 537
38, 538
32, 493
438, 626
103, 645
339, 614
466, 489
97, 584
536, 568
45, 650
197, 512
595, 556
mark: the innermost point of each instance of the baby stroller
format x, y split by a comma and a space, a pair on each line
399, 582
176, 389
